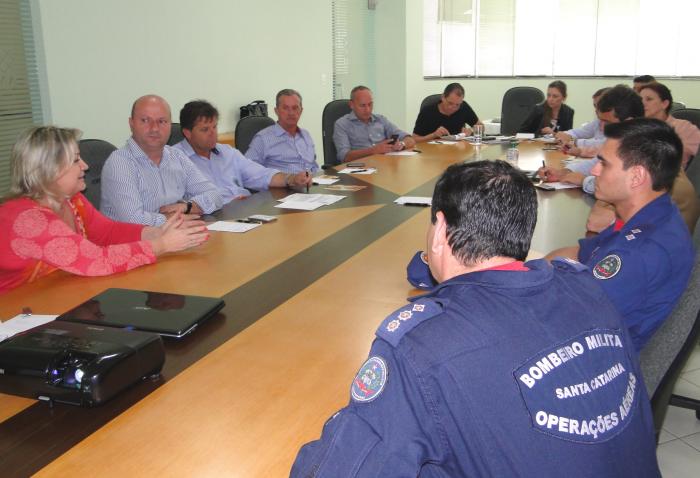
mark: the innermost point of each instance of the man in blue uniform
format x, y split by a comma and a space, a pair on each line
643, 260
504, 369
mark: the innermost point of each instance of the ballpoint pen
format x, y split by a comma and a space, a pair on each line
307, 177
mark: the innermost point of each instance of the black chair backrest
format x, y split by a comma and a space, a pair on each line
664, 356
430, 100
247, 128
677, 105
94, 152
688, 114
175, 134
333, 110
516, 106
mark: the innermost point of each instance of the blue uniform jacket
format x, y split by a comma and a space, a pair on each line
495, 373
644, 267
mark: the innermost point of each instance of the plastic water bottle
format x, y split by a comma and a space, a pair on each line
512, 153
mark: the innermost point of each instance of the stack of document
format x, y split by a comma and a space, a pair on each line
308, 202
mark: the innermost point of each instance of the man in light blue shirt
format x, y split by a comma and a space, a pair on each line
146, 181
285, 146
231, 172
588, 135
361, 133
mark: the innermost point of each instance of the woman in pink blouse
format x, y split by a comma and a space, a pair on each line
47, 224
657, 101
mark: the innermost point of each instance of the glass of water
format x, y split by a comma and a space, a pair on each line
478, 130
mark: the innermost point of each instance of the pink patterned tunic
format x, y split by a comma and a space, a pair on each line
34, 242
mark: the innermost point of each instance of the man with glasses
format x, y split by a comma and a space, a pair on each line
285, 146
451, 115
362, 133
147, 181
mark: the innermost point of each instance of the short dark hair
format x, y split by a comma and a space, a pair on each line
663, 92
490, 209
287, 92
643, 79
453, 88
601, 92
623, 101
650, 143
192, 111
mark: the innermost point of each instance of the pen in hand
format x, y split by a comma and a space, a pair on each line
307, 184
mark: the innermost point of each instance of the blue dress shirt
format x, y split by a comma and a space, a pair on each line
644, 267
134, 188
273, 147
351, 133
229, 170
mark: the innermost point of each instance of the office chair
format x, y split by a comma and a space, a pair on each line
430, 100
332, 111
516, 106
664, 356
246, 129
94, 152
688, 114
175, 134
676, 105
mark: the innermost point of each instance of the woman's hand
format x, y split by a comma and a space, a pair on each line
179, 233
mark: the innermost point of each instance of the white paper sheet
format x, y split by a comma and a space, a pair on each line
323, 180
22, 322
229, 226
556, 185
406, 152
358, 171
414, 200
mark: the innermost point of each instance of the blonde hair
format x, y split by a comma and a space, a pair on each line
38, 156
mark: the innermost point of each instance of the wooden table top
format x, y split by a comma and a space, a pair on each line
303, 297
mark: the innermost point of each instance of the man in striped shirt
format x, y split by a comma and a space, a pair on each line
284, 145
147, 181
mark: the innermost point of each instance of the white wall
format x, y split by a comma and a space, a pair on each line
101, 55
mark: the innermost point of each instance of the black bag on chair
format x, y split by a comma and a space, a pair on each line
255, 108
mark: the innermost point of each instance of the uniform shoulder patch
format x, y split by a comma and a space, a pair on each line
568, 264
607, 267
370, 380
401, 321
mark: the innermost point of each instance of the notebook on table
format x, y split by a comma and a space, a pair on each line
170, 315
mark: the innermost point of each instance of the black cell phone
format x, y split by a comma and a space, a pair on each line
355, 165
394, 138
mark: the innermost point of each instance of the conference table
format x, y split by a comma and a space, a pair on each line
304, 296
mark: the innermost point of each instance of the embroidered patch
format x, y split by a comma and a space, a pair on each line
418, 308
393, 325
607, 267
629, 237
405, 315
370, 380
636, 231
